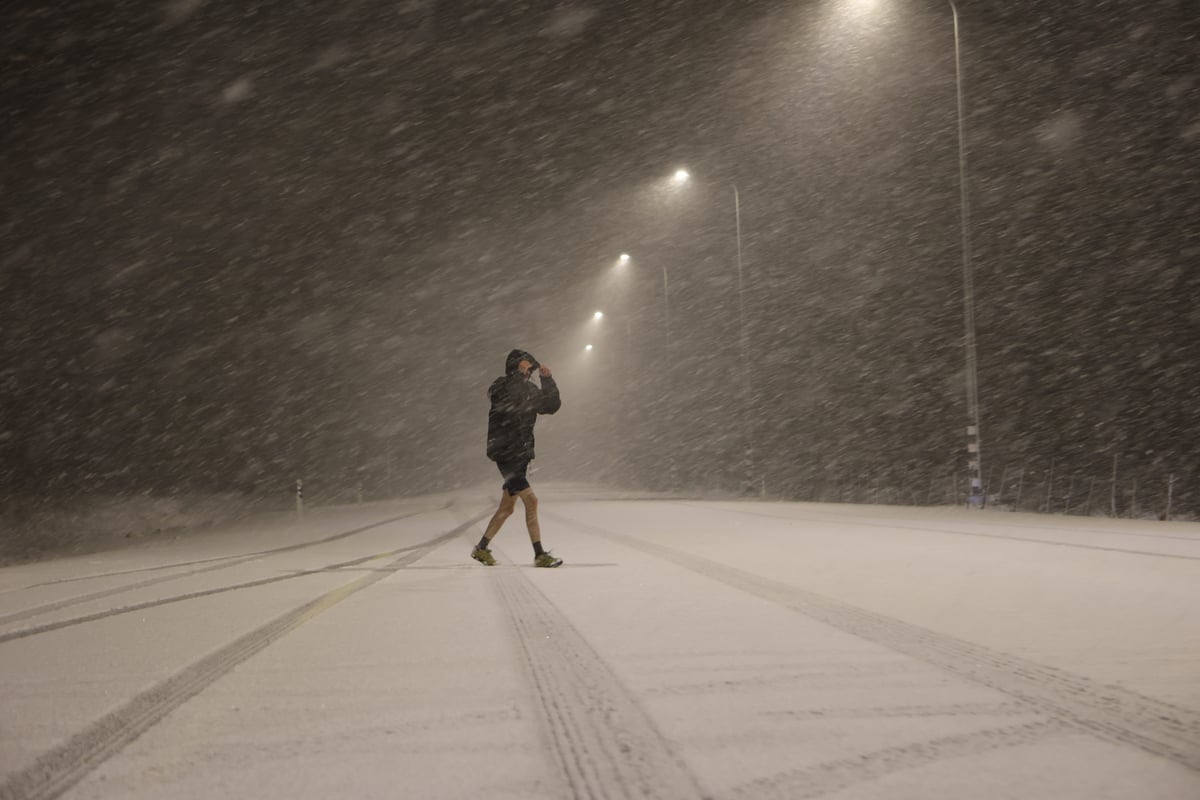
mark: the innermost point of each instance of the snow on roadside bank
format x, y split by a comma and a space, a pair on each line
32, 531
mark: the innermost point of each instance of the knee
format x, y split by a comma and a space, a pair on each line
530, 500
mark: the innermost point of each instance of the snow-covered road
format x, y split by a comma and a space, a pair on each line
686, 649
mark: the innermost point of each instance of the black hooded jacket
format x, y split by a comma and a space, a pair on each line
516, 402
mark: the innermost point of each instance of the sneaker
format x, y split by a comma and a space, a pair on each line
547, 560
483, 556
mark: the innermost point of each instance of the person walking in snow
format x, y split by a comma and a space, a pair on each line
516, 403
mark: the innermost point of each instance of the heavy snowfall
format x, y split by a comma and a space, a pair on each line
877, 470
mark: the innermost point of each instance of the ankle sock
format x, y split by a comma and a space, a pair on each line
483, 543
537, 549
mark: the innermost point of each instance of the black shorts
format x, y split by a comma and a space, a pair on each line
515, 481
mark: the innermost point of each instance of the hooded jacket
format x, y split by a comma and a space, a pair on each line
516, 402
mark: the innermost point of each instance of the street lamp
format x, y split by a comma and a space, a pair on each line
599, 315
976, 497
974, 440
681, 177
625, 259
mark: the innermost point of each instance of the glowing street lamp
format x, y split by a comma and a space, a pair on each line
624, 259
974, 443
599, 315
976, 497
681, 177
587, 348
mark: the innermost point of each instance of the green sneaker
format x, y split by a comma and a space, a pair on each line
547, 560
484, 556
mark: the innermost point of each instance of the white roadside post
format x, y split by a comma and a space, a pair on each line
1170, 493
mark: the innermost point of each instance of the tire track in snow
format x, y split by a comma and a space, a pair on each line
1113, 713
833, 776
226, 563
606, 746
908, 712
813, 516
60, 768
23, 633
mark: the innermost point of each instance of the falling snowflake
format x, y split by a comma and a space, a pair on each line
237, 91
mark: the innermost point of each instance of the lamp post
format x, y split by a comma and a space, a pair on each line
666, 374
976, 497
621, 400
624, 261
683, 176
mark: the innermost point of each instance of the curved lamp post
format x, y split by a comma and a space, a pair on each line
976, 497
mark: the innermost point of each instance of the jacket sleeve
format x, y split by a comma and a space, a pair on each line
549, 400
498, 394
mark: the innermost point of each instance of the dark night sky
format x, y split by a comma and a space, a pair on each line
249, 241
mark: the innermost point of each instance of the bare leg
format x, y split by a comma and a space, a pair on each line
508, 502
531, 518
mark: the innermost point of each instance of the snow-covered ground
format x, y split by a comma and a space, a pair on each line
686, 649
